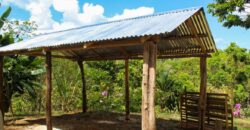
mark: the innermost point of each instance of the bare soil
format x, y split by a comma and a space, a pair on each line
88, 121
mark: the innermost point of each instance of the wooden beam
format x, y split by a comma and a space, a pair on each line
170, 56
48, 65
84, 96
20, 52
1, 88
203, 94
103, 44
97, 53
53, 56
127, 100
148, 86
181, 37
123, 51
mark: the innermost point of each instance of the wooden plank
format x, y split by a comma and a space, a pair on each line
127, 100
84, 95
181, 112
48, 65
226, 111
1, 88
203, 87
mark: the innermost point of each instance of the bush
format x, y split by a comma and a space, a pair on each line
246, 112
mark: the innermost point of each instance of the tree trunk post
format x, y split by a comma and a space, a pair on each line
1, 90
84, 96
127, 90
49, 89
203, 94
148, 86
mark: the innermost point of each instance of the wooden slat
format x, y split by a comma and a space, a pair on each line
216, 110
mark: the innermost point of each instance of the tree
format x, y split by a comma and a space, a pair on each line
230, 12
20, 72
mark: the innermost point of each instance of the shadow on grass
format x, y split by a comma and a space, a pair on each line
97, 121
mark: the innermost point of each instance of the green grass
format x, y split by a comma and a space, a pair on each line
242, 124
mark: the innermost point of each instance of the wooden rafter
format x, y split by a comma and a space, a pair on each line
194, 32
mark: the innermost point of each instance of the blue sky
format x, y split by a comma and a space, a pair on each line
52, 15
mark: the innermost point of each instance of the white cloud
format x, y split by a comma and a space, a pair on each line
66, 5
128, 13
40, 13
244, 13
73, 14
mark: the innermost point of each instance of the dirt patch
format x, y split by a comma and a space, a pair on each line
88, 121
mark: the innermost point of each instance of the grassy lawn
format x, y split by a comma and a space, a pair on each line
242, 124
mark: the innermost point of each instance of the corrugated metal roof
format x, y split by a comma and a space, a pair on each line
161, 23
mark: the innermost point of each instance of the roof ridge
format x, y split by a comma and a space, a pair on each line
126, 19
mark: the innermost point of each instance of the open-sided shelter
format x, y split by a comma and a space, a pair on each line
173, 34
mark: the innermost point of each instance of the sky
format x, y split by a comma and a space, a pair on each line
54, 15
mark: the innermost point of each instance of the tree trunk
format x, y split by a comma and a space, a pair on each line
84, 96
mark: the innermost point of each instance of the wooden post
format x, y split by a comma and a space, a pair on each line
84, 96
1, 90
127, 90
49, 89
203, 95
148, 86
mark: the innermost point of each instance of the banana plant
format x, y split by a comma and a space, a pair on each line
20, 72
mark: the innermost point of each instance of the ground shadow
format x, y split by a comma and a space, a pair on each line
97, 121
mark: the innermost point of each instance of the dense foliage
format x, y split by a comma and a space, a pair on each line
228, 12
228, 72
20, 72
